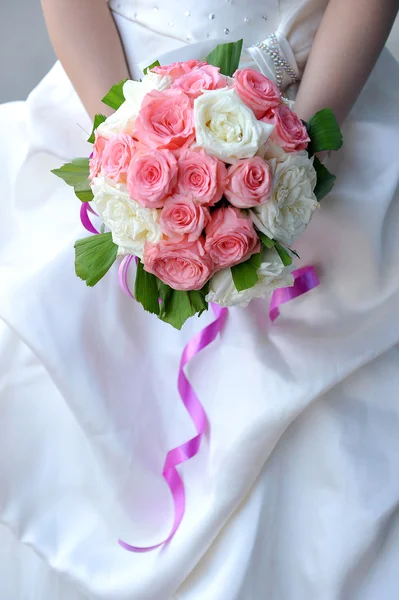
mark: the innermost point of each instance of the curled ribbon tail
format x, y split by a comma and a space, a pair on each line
85, 219
181, 454
122, 275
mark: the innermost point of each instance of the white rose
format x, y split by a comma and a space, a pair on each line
272, 275
285, 216
130, 223
154, 81
226, 128
123, 119
271, 150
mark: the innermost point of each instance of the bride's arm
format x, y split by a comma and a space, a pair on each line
347, 45
87, 43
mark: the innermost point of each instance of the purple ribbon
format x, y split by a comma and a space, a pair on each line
305, 279
182, 453
122, 275
85, 219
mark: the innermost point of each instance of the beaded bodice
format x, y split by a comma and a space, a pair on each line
194, 21
279, 33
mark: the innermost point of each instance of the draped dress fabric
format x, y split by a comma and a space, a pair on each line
295, 494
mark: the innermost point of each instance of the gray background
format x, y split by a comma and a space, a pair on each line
26, 53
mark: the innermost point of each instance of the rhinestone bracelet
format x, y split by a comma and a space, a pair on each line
272, 48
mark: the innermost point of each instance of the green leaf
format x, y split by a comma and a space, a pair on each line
76, 174
115, 96
94, 256
198, 302
179, 309
284, 255
226, 57
324, 132
154, 64
177, 306
325, 180
245, 274
266, 241
164, 294
98, 119
146, 290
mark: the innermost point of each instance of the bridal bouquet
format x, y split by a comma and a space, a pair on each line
206, 176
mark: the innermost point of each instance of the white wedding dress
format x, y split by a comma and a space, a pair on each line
296, 495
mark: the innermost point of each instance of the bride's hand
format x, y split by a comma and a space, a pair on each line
87, 43
347, 45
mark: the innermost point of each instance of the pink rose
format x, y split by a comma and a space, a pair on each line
183, 265
256, 91
178, 69
165, 120
151, 177
180, 217
201, 176
249, 182
230, 237
95, 162
289, 132
117, 155
203, 78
